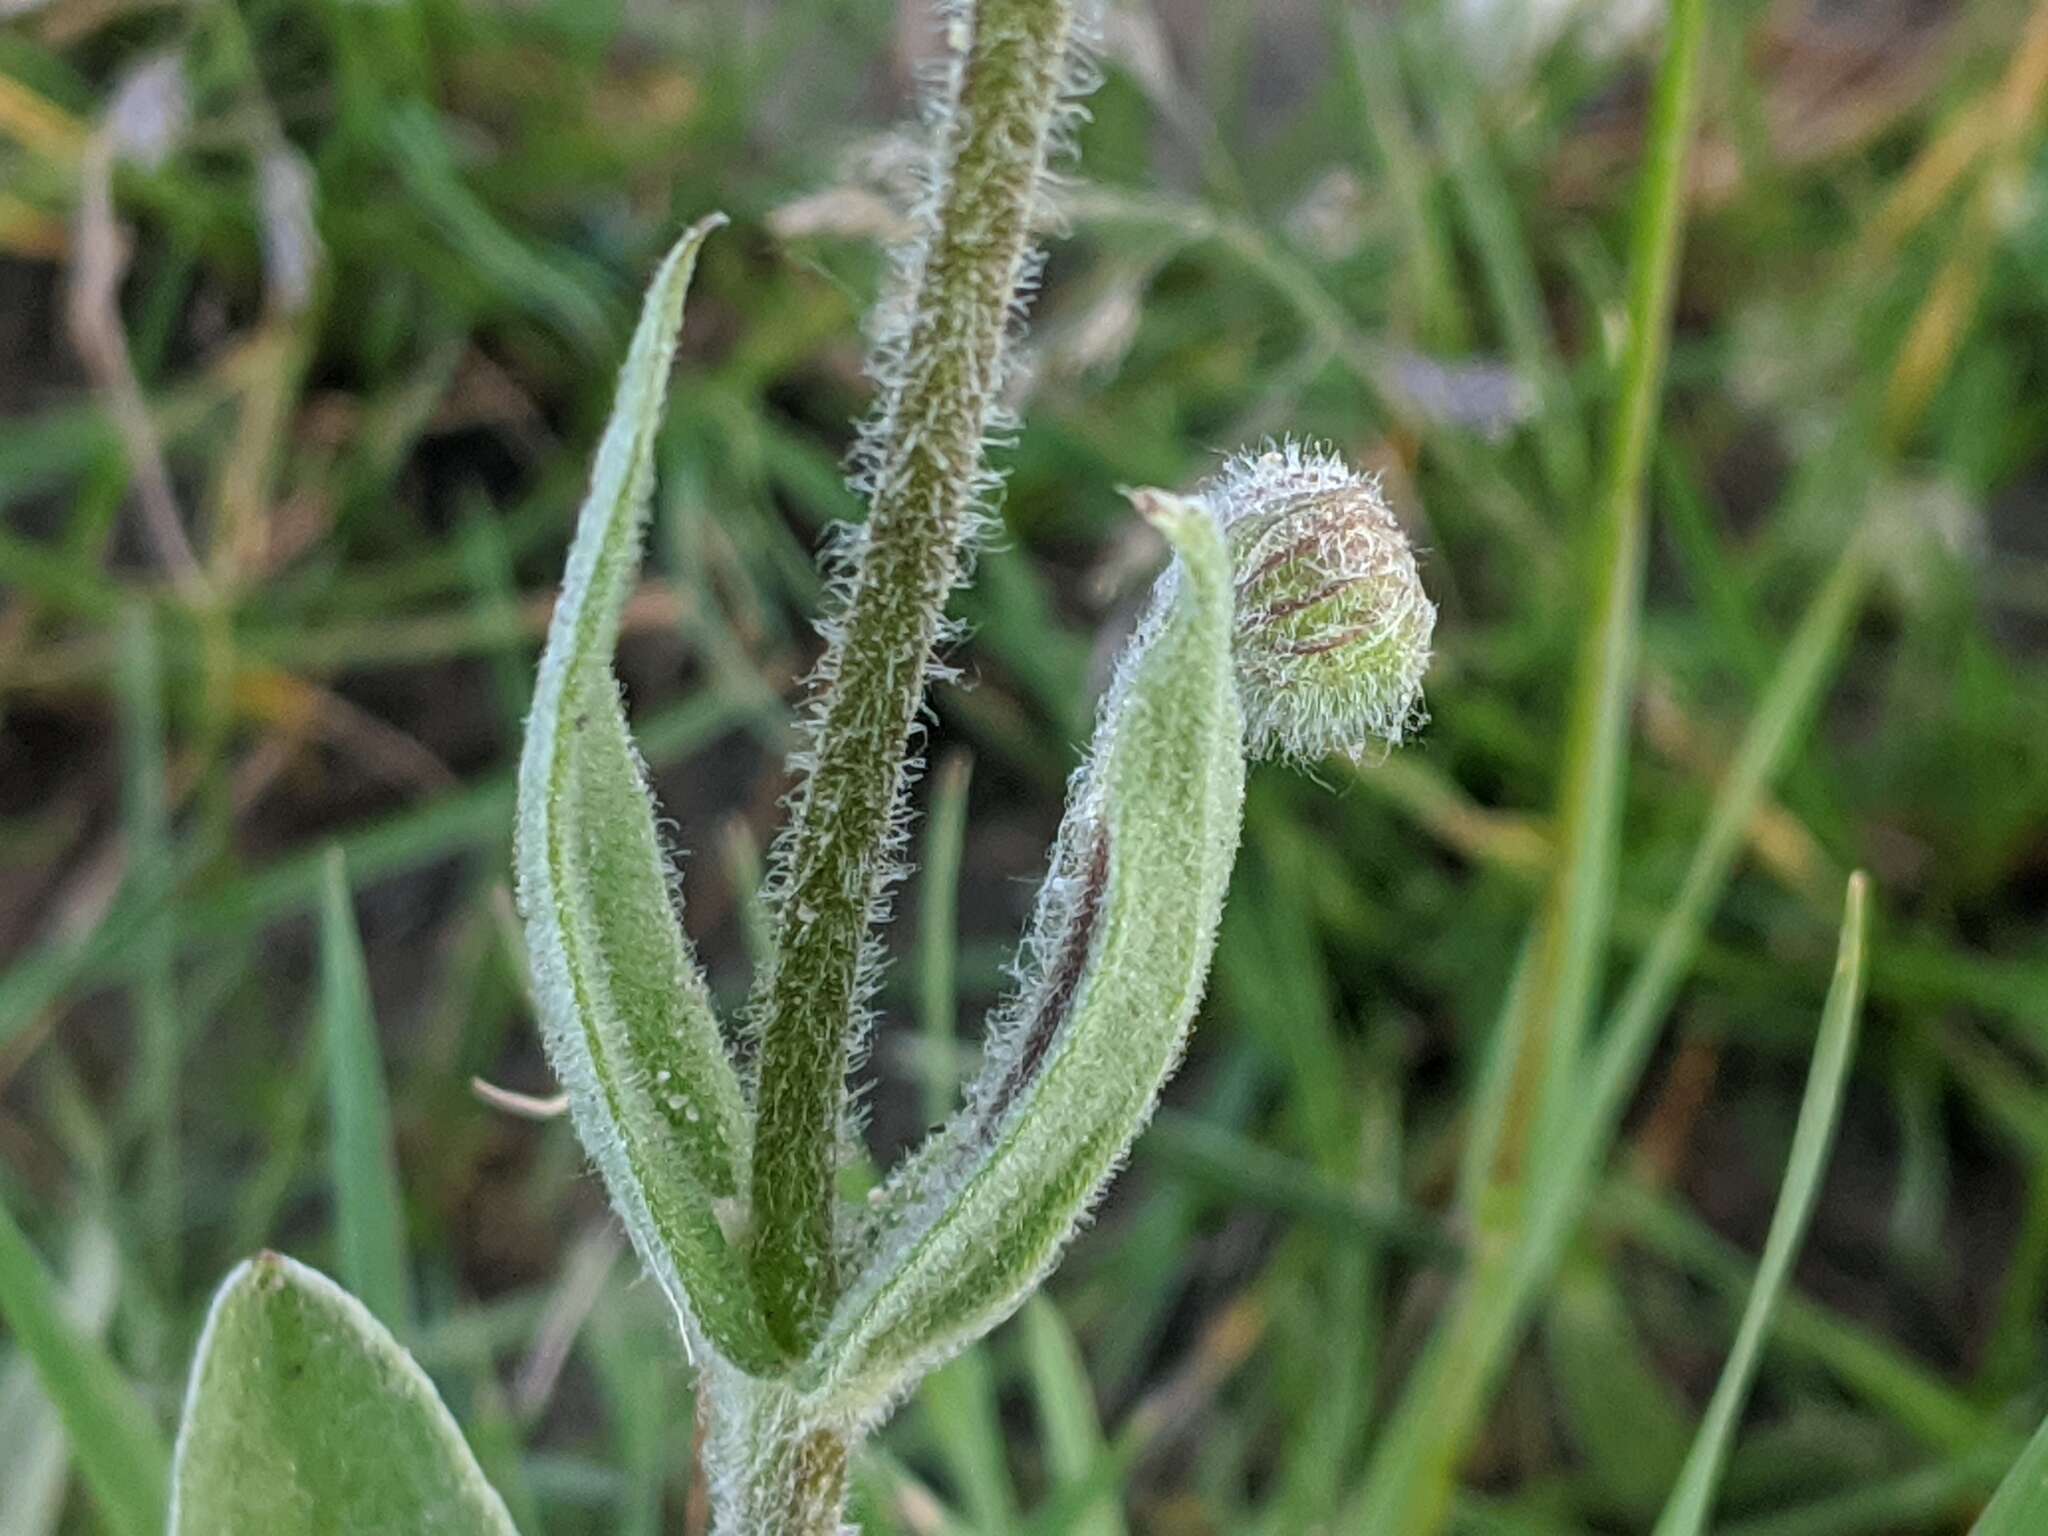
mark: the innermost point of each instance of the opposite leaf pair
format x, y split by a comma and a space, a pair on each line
1291, 609
1290, 582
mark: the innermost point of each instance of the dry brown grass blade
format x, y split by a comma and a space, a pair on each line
143, 122
2011, 116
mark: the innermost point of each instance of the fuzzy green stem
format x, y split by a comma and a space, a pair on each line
800, 1490
925, 465
775, 1470
814, 1493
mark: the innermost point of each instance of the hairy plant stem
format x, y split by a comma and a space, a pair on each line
775, 1471
941, 379
814, 1492
802, 1491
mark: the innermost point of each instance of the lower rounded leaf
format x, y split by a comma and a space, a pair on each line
306, 1418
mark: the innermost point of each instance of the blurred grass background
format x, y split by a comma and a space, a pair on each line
309, 311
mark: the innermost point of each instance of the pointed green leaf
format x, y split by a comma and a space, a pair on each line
306, 1418
938, 938
626, 1015
1120, 951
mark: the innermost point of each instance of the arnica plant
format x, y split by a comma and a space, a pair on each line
1290, 621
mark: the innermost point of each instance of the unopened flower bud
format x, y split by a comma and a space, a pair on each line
1332, 625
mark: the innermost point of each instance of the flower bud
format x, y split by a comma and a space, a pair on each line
1332, 626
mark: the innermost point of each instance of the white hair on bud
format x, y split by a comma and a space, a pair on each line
1332, 624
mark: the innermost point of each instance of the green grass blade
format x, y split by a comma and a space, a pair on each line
305, 1415
1377, 98
1785, 708
35, 1458
1270, 974
35, 1454
745, 869
1493, 1082
1462, 1361
1067, 1416
893, 1501
1621, 1412
2012, 1350
937, 937
1214, 1157
1579, 911
153, 995
1929, 1498
1409, 1482
474, 817
115, 1442
498, 1438
1692, 1500
551, 284
1862, 1361
637, 1373
964, 1420
368, 1205
51, 578
1507, 265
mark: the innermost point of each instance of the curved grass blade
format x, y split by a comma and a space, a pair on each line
1928, 1497
369, 1210
116, 1443
1692, 1500
1617, 1408
626, 1014
305, 1416
1121, 947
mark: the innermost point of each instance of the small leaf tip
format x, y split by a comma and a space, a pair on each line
1156, 506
